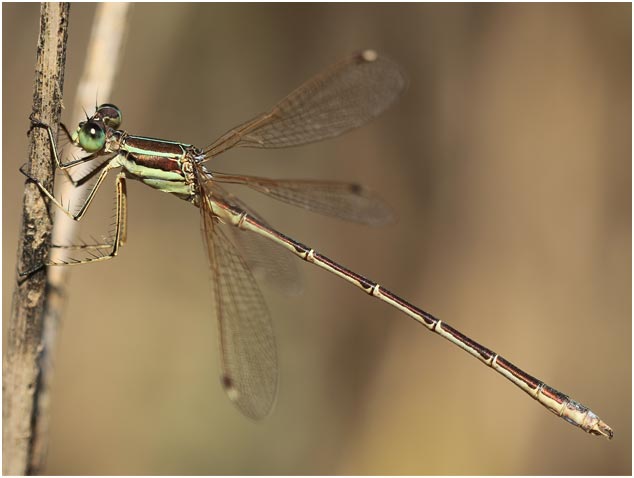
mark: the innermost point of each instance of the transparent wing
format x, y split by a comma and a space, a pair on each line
347, 201
270, 263
247, 344
345, 96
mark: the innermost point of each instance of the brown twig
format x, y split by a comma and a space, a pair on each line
21, 367
106, 41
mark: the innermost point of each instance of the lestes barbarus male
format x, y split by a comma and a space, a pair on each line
344, 96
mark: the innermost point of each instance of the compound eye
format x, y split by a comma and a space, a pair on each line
92, 136
111, 115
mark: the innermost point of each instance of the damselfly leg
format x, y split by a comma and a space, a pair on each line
96, 251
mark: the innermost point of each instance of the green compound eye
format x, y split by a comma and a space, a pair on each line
92, 136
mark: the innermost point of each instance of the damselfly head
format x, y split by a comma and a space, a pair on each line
91, 134
110, 114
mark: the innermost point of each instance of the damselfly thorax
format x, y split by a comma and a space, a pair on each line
161, 164
345, 96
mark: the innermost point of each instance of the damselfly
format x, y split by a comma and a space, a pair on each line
344, 96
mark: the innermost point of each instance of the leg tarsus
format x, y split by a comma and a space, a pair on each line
24, 275
35, 123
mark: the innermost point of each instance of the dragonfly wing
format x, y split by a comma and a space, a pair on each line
348, 201
345, 96
247, 343
270, 263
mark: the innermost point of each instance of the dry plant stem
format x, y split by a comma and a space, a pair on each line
106, 41
21, 366
107, 38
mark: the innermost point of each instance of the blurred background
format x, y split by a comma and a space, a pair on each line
508, 161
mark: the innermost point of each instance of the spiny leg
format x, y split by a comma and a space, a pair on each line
120, 232
122, 208
94, 251
107, 166
121, 223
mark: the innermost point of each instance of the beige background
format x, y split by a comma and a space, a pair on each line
509, 163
